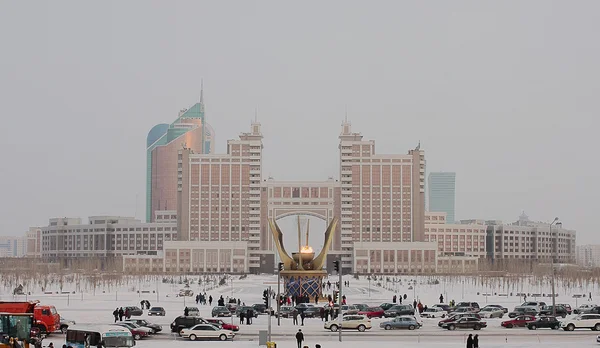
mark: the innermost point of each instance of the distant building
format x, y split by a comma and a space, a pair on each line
588, 255
107, 236
34, 242
529, 240
12, 246
162, 144
442, 193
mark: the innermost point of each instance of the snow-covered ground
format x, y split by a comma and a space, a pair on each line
85, 307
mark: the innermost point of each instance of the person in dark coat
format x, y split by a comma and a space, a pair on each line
476, 341
210, 300
186, 312
121, 314
470, 341
302, 316
322, 313
242, 316
299, 338
295, 316
249, 316
441, 298
116, 314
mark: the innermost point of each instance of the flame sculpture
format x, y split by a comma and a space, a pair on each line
305, 258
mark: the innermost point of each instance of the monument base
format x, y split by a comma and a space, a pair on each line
303, 283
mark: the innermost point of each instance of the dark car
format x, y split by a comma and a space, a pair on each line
468, 304
547, 322
160, 311
312, 312
134, 311
286, 311
520, 321
220, 311
245, 309
372, 312
522, 311
445, 307
560, 311
144, 323
301, 307
567, 307
183, 322
458, 316
399, 310
465, 323
386, 305
260, 308
593, 310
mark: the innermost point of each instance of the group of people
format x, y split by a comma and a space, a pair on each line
201, 299
119, 314
145, 304
473, 341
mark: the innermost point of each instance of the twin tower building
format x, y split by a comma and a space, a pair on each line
223, 203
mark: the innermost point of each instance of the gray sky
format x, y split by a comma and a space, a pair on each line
505, 93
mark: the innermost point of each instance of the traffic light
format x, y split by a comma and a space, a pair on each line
336, 266
335, 295
266, 298
280, 266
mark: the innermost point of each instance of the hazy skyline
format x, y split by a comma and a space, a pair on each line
503, 93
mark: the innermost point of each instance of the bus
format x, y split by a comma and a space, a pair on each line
90, 337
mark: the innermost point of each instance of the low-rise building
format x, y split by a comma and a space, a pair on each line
11, 246
394, 258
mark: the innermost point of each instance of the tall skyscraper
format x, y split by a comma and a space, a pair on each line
189, 130
442, 193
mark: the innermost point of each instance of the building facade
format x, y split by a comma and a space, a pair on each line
442, 193
528, 240
106, 236
162, 144
34, 242
13, 246
466, 240
588, 255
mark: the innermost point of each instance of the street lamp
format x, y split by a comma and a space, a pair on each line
554, 255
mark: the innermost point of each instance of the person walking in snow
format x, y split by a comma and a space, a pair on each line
470, 341
299, 338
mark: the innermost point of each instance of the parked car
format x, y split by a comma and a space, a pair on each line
137, 331
403, 322
567, 307
560, 311
223, 324
399, 310
465, 323
455, 317
386, 305
160, 311
491, 312
593, 310
434, 312
445, 307
522, 311
582, 321
220, 311
144, 323
504, 309
584, 307
533, 304
468, 304
206, 331
232, 307
361, 306
65, 323
134, 311
301, 307
372, 312
261, 308
245, 309
349, 309
192, 311
546, 322
520, 321
351, 321
312, 312
460, 310
286, 311
186, 322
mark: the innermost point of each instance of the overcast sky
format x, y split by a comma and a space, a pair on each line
504, 93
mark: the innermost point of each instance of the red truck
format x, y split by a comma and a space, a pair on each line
45, 317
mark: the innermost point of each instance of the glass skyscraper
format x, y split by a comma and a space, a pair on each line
442, 193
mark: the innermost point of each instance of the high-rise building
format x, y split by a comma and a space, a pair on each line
13, 246
162, 144
442, 191
588, 255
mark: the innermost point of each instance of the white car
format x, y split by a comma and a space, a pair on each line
582, 321
434, 312
491, 312
350, 321
205, 331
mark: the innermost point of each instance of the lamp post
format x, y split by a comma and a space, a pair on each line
554, 253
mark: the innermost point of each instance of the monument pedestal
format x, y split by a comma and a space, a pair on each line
303, 283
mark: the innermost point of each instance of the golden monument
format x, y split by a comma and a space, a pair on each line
303, 272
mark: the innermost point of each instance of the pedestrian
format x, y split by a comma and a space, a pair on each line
121, 314
186, 311
476, 341
249, 316
317, 345
147, 304
470, 341
210, 300
441, 298
299, 338
51, 345
394, 299
116, 314
295, 316
400, 298
415, 304
302, 316
322, 313
142, 303
242, 315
